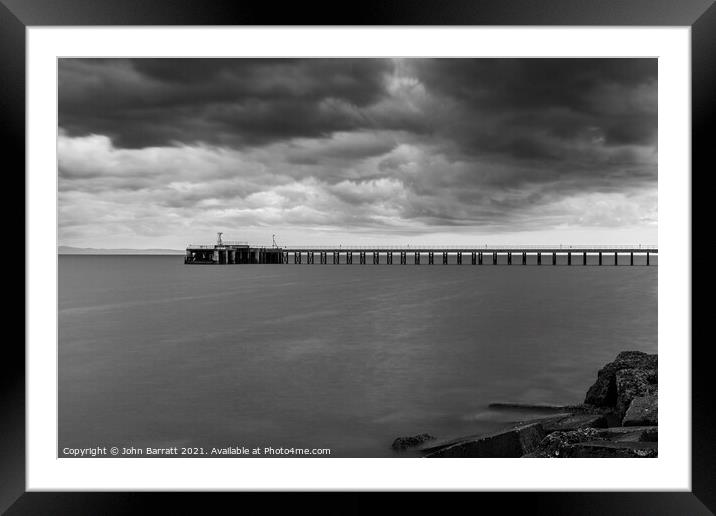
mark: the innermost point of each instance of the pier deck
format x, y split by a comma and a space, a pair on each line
242, 253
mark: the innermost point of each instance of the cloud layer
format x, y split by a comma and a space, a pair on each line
163, 151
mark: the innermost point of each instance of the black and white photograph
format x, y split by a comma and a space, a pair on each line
357, 257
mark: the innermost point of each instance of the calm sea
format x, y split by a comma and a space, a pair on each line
153, 352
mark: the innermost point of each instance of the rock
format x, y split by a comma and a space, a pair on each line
529, 406
613, 449
632, 383
573, 422
401, 443
636, 441
630, 433
604, 391
514, 442
643, 411
558, 444
651, 434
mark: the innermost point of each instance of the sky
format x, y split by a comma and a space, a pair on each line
160, 153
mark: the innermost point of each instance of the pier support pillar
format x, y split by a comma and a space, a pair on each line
389, 258
584, 258
445, 258
479, 258
631, 258
616, 258
539, 258
349, 257
554, 258
569, 258
524, 258
509, 258
403, 257
431, 258
494, 258
474, 258
647, 258
600, 258
459, 257
417, 258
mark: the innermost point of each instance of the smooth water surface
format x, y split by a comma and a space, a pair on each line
153, 352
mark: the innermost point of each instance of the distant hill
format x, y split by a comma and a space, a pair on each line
63, 249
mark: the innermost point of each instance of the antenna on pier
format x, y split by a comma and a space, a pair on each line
273, 238
218, 238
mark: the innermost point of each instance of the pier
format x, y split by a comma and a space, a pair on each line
228, 252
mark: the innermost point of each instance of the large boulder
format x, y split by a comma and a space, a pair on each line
604, 391
633, 383
514, 442
403, 443
643, 411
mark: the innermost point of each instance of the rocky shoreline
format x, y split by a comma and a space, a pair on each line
619, 418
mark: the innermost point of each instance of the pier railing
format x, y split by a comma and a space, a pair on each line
468, 248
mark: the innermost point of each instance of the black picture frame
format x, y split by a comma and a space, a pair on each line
17, 15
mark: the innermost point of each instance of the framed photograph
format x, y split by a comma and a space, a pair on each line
268, 254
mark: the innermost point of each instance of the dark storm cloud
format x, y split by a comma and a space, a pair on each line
538, 108
386, 144
506, 106
532, 82
154, 102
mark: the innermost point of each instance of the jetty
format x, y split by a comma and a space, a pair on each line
225, 252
